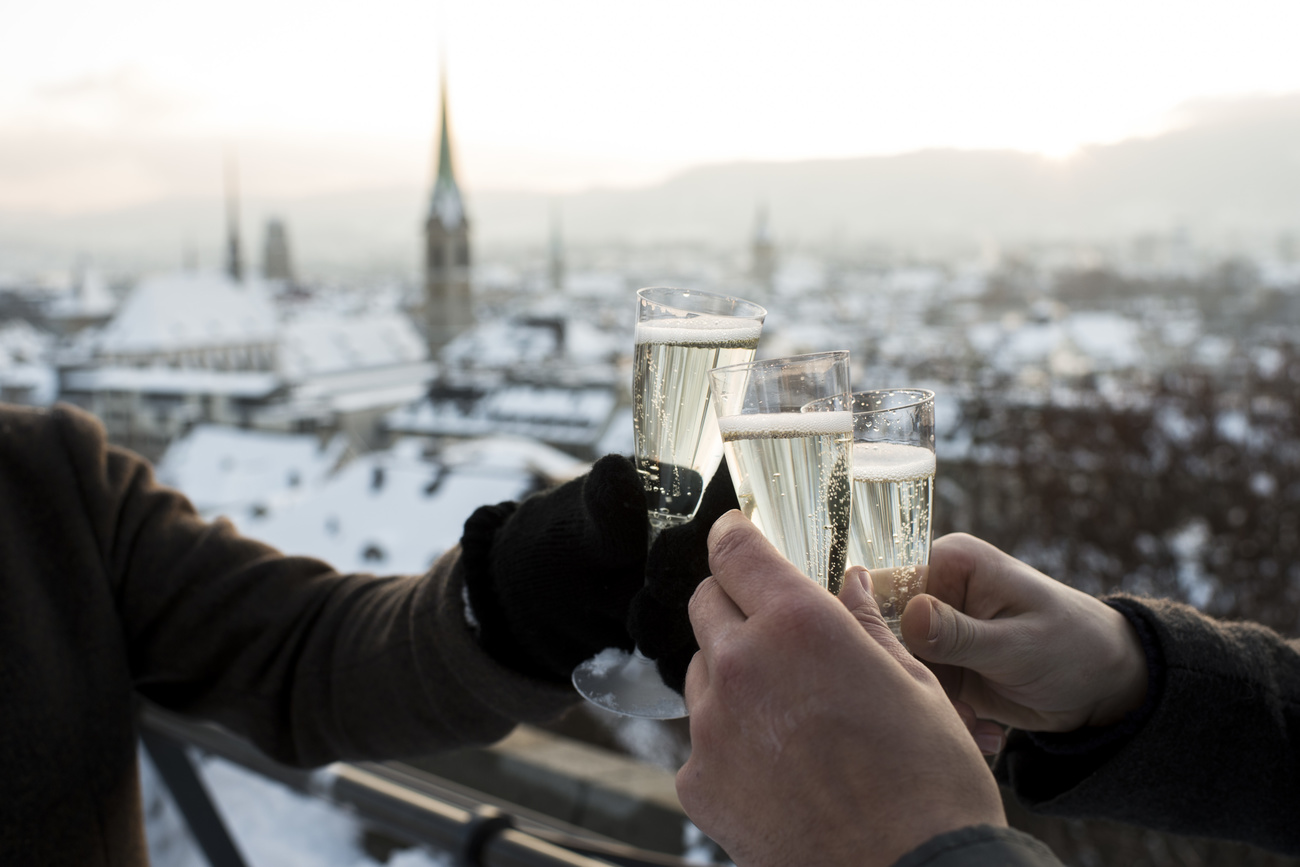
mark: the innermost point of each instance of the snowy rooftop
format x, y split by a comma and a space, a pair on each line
22, 343
388, 512
367, 387
328, 341
88, 297
515, 343
1089, 340
385, 513
575, 416
222, 468
170, 380
187, 309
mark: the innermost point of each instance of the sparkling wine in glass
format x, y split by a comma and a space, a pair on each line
681, 334
789, 457
893, 490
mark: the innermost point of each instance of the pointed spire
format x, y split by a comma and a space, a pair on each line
234, 261
445, 170
446, 204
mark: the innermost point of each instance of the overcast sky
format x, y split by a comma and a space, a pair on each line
109, 103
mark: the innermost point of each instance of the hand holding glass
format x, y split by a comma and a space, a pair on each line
680, 335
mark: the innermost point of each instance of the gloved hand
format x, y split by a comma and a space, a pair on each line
678, 562
550, 579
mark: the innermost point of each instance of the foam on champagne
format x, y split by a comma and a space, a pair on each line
713, 331
891, 462
785, 425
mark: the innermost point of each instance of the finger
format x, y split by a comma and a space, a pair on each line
953, 560
697, 682
967, 714
989, 737
615, 507
952, 638
713, 615
858, 595
751, 571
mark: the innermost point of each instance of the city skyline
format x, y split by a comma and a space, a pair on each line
108, 107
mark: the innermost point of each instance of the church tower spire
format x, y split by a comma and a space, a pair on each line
234, 259
447, 304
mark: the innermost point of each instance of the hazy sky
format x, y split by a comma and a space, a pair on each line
108, 103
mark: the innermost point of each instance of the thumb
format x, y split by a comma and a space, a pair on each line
939, 633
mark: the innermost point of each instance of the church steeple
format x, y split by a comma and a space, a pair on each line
446, 204
234, 259
447, 304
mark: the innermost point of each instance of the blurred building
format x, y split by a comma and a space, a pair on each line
87, 304
183, 348
762, 266
447, 305
555, 258
234, 254
192, 348
277, 264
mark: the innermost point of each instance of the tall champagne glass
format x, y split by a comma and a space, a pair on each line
681, 334
893, 489
789, 457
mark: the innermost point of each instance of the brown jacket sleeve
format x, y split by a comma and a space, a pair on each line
311, 665
1216, 753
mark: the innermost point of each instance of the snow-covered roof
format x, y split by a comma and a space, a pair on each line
514, 343
384, 513
327, 341
514, 453
187, 310
171, 380
560, 415
1107, 341
367, 387
89, 297
23, 343
224, 468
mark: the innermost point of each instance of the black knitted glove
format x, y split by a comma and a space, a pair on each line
550, 579
678, 562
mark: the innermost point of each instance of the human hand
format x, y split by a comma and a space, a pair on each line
550, 579
678, 561
1019, 647
816, 738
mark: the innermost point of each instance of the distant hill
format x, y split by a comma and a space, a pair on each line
1230, 166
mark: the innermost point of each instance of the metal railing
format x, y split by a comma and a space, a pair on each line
407, 805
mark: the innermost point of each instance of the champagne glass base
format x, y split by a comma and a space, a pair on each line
627, 684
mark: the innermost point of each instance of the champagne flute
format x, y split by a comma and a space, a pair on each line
893, 490
787, 429
681, 334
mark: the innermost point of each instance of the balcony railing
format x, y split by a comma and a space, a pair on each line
401, 802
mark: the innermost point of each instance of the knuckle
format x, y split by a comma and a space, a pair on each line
731, 540
960, 637
702, 597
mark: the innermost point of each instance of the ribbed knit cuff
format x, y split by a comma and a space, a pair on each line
980, 846
1100, 742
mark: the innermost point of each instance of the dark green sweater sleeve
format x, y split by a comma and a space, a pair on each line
311, 665
1216, 754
